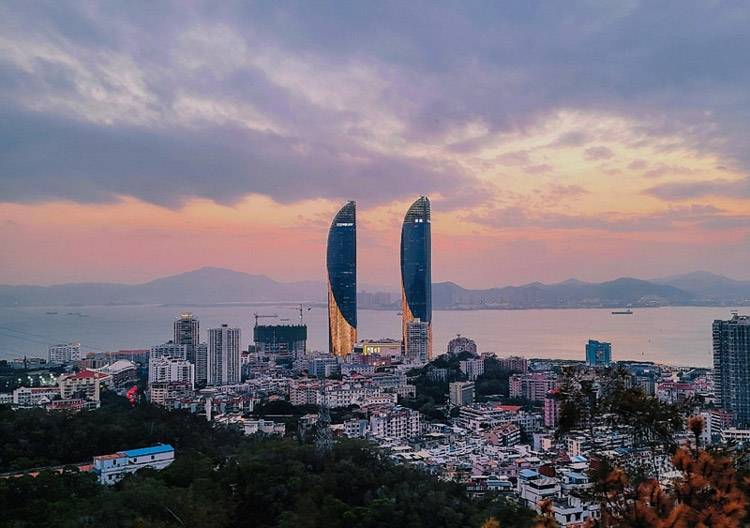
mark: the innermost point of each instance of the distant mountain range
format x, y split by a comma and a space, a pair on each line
218, 285
699, 288
201, 286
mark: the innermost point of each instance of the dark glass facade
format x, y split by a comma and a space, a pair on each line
731, 344
341, 262
416, 268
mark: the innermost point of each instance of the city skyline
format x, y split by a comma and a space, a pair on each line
164, 139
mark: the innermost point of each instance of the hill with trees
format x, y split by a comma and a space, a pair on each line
220, 478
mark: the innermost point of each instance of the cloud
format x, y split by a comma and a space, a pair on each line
518, 157
575, 138
519, 217
541, 168
331, 100
44, 157
598, 153
680, 191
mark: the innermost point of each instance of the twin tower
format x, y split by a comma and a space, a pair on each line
416, 281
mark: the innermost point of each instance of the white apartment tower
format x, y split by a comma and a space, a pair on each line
223, 366
65, 353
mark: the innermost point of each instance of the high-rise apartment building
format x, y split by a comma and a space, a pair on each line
187, 332
598, 353
201, 363
223, 366
341, 264
64, 353
416, 271
418, 338
731, 347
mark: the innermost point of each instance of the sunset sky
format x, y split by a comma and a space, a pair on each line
590, 139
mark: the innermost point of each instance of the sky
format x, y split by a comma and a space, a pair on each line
588, 139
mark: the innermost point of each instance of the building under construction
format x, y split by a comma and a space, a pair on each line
284, 340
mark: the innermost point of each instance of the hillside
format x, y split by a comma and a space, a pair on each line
710, 286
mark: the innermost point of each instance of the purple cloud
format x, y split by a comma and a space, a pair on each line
598, 153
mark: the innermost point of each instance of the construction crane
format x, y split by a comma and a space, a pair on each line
302, 310
264, 316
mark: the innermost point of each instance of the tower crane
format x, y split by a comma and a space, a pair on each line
264, 316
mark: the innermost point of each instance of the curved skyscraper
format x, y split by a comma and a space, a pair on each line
416, 281
341, 262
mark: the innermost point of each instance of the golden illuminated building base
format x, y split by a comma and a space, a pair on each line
341, 335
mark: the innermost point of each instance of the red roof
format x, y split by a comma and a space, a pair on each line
84, 374
509, 408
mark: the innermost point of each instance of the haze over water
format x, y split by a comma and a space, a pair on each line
673, 335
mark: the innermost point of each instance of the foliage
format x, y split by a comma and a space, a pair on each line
494, 381
34, 437
221, 479
708, 492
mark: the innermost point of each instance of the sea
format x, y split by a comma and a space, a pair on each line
670, 335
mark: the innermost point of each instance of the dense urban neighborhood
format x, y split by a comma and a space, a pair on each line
529, 436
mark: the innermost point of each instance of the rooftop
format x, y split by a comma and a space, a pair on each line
153, 450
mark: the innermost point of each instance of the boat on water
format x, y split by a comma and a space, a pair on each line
51, 313
623, 312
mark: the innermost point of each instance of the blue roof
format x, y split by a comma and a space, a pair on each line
527, 473
576, 475
153, 450
578, 458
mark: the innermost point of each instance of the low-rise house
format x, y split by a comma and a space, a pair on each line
268, 427
114, 467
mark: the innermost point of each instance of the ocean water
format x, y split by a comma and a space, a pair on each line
673, 335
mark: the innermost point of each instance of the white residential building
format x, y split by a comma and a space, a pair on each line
166, 369
112, 468
534, 488
395, 423
33, 396
262, 426
473, 368
65, 353
86, 383
169, 349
